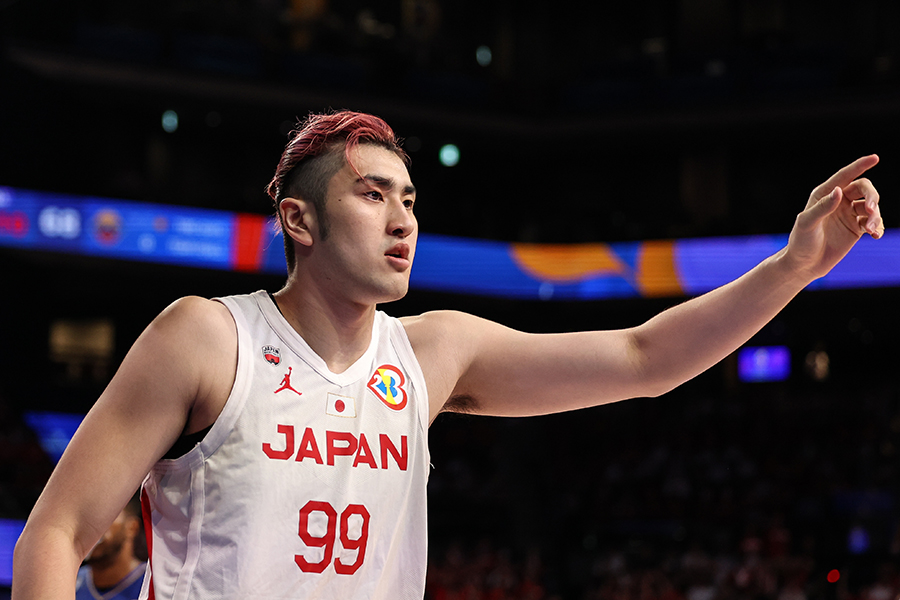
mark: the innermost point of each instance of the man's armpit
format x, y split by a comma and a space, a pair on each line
461, 403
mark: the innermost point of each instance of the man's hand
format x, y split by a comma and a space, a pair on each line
838, 213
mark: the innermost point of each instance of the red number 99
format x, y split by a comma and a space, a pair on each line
327, 540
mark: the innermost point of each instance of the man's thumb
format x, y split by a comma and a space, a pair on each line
828, 204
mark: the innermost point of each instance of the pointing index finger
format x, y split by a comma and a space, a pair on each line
848, 174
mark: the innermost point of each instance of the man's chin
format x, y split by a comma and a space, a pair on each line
394, 294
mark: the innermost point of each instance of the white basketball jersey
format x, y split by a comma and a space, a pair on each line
310, 484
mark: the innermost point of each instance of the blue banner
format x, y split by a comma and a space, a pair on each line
252, 243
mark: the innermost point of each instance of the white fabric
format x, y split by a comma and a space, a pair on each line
226, 516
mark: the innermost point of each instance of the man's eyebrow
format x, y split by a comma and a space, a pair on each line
388, 183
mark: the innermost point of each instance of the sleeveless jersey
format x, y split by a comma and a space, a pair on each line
310, 484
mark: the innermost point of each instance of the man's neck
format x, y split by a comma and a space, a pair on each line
338, 331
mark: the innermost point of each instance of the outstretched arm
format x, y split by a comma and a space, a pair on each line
160, 388
491, 369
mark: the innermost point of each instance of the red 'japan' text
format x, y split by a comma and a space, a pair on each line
337, 444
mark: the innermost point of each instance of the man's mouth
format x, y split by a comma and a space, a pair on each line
398, 251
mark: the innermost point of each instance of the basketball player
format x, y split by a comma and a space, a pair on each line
285, 435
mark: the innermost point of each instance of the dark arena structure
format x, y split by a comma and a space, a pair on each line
571, 160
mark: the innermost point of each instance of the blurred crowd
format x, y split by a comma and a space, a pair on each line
24, 466
766, 493
485, 573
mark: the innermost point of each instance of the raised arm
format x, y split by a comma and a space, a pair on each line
473, 364
171, 381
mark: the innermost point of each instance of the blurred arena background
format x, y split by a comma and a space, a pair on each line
572, 123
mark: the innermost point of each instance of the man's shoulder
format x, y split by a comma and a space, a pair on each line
436, 321
441, 328
195, 340
195, 304
445, 343
201, 311
193, 320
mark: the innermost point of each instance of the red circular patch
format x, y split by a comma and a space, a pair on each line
339, 405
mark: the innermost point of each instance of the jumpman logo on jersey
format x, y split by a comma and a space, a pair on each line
286, 383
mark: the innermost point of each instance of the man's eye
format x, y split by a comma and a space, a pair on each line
373, 195
409, 203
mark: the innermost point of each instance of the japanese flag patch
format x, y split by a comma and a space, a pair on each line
341, 406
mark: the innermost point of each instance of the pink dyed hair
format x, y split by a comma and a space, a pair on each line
318, 134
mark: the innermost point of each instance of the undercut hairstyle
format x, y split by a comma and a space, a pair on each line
313, 156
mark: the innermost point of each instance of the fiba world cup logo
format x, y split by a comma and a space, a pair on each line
387, 383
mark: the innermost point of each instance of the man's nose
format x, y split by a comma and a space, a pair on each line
402, 223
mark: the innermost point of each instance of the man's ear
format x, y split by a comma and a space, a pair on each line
299, 218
